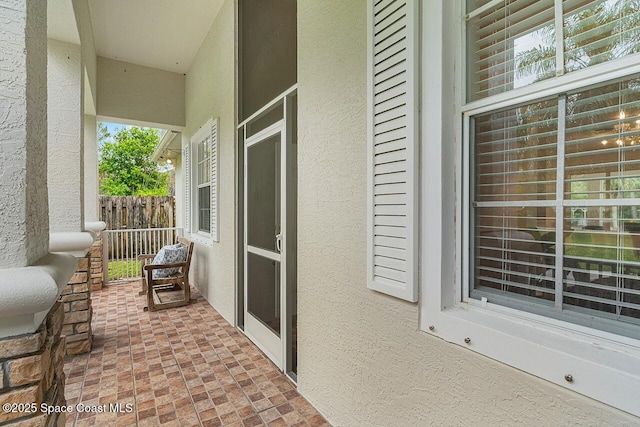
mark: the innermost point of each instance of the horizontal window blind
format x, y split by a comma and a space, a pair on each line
603, 142
527, 225
513, 252
601, 273
392, 148
512, 43
204, 212
515, 153
498, 39
602, 165
204, 160
599, 31
204, 199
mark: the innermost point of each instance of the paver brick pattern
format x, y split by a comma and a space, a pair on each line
184, 366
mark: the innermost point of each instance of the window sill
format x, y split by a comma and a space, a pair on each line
603, 366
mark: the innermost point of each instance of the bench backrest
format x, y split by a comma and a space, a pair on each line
190, 245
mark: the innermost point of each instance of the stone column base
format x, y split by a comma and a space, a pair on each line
32, 374
96, 264
76, 297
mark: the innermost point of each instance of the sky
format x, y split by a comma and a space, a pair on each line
114, 128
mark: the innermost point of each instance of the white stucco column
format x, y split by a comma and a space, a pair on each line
90, 169
66, 130
24, 228
30, 278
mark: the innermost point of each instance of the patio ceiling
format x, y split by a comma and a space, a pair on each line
163, 34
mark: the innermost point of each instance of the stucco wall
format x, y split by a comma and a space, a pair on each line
210, 93
24, 227
64, 137
37, 244
362, 359
140, 94
90, 169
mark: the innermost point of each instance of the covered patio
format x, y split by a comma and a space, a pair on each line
328, 158
185, 366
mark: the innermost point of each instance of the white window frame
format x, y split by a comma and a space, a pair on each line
598, 364
205, 131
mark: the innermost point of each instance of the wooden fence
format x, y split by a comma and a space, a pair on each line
136, 212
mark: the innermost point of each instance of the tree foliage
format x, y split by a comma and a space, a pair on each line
125, 166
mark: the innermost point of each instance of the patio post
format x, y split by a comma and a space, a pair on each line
66, 176
31, 279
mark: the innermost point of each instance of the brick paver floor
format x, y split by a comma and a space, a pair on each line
184, 366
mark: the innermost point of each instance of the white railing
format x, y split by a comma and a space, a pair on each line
122, 247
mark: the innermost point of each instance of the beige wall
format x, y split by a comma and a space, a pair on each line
140, 94
210, 92
362, 359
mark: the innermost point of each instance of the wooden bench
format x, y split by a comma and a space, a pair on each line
177, 282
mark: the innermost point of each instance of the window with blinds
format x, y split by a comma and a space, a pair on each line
601, 264
213, 181
203, 183
516, 154
186, 162
205, 188
514, 43
548, 237
557, 189
599, 31
499, 35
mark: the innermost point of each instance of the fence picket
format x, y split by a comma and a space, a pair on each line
122, 247
137, 212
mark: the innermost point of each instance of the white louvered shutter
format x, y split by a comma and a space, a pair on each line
392, 211
214, 181
186, 161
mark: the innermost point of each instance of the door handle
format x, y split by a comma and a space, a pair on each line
279, 242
